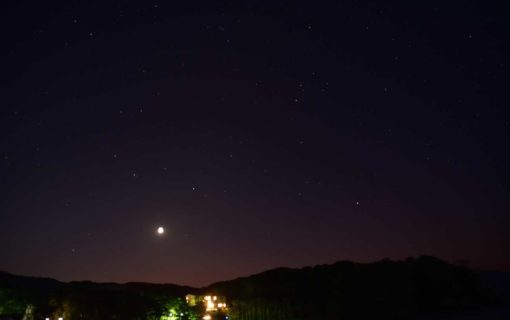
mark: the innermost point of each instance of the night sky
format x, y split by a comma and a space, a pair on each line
257, 134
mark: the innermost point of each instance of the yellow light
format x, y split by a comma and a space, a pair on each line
214, 298
206, 317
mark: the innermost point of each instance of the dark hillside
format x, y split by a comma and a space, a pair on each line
415, 287
384, 289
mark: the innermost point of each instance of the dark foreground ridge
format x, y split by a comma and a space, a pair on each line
416, 287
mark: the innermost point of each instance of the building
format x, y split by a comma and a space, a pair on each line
214, 307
